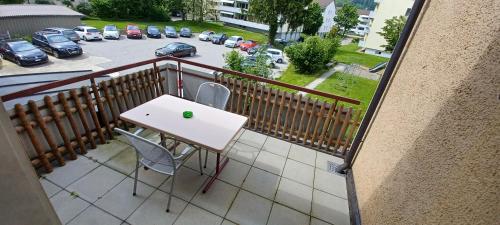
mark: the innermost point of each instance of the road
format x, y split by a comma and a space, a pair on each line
107, 54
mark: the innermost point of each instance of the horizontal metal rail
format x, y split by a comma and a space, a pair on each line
92, 76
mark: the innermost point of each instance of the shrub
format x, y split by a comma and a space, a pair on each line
235, 61
84, 8
102, 8
313, 54
160, 13
44, 2
67, 3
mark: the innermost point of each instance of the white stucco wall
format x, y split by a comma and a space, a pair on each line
328, 16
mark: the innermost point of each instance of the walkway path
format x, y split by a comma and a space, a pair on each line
324, 76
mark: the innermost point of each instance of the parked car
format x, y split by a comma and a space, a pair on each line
206, 35
22, 53
56, 44
219, 38
185, 32
110, 32
88, 33
233, 41
133, 31
248, 44
251, 61
170, 32
177, 49
68, 33
276, 55
153, 32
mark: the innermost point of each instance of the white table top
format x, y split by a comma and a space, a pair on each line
209, 127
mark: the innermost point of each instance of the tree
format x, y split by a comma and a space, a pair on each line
11, 1
391, 31
346, 18
313, 19
312, 54
237, 62
277, 12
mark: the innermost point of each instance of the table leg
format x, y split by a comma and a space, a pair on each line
218, 170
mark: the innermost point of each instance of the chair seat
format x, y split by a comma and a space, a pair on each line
164, 166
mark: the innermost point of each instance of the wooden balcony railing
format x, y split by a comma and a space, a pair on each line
71, 122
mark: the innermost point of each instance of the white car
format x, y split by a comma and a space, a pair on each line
275, 54
206, 35
88, 33
233, 41
110, 32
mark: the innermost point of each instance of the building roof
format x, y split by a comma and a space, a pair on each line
324, 3
36, 10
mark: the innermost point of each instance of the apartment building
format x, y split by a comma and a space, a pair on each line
329, 12
384, 10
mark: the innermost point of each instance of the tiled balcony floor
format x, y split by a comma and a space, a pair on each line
267, 181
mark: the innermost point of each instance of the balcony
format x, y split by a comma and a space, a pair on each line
279, 168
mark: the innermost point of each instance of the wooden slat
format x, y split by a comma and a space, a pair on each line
57, 120
270, 123
72, 122
125, 93
83, 117
297, 109
312, 115
319, 118
132, 90
151, 86
21, 114
231, 84
239, 109
102, 111
250, 113
90, 107
159, 80
287, 115
280, 111
46, 132
334, 125
301, 121
264, 114
138, 89
322, 137
245, 112
109, 102
117, 94
257, 117
351, 132
346, 121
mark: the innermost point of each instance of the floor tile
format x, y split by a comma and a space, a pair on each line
270, 162
249, 209
95, 184
193, 163
262, 183
153, 210
67, 206
252, 138
238, 135
281, 215
93, 215
302, 154
187, 183
243, 153
334, 184
193, 215
294, 195
124, 161
120, 201
217, 199
234, 172
277, 146
49, 188
227, 222
150, 177
72, 171
299, 172
315, 221
322, 158
330, 208
105, 152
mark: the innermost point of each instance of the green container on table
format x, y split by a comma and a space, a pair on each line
187, 114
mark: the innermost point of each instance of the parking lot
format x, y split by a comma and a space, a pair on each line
106, 54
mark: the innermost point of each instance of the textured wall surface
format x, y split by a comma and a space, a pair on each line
432, 153
19, 26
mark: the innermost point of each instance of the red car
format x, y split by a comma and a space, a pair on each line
247, 45
133, 31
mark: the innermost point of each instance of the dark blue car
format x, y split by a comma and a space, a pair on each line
22, 53
56, 44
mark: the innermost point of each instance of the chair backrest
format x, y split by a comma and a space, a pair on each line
213, 94
152, 152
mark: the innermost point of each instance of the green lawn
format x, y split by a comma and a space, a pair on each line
349, 86
348, 54
291, 76
195, 26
